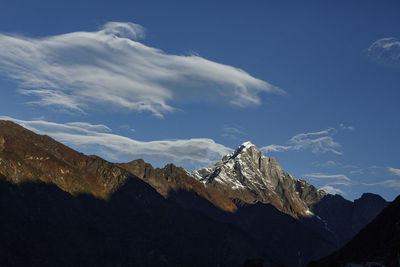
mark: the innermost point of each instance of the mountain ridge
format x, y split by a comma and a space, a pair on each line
27, 158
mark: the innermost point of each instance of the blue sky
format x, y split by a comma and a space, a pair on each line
314, 85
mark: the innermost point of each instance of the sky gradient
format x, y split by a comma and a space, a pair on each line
314, 85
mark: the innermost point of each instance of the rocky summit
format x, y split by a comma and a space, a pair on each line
248, 176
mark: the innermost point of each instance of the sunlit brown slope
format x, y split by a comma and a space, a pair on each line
172, 179
26, 156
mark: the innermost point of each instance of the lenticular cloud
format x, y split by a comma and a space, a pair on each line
110, 67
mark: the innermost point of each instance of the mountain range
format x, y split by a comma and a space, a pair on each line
62, 208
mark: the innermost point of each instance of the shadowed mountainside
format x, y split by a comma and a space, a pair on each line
44, 226
344, 218
379, 242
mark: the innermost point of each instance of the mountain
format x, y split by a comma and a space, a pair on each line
248, 176
271, 228
378, 242
61, 207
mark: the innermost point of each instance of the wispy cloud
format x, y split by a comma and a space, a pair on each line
383, 171
317, 142
232, 132
344, 183
385, 51
332, 190
110, 68
347, 127
326, 164
387, 183
327, 176
98, 139
127, 127
359, 171
394, 171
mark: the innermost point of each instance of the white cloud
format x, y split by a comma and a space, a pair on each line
394, 171
276, 148
345, 127
385, 51
387, 183
98, 140
383, 171
317, 142
328, 164
332, 190
110, 68
327, 176
344, 183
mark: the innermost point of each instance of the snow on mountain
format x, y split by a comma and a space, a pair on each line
248, 176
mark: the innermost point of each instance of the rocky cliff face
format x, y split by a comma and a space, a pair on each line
249, 176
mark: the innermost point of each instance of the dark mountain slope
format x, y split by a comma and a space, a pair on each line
44, 226
272, 229
379, 241
286, 237
344, 218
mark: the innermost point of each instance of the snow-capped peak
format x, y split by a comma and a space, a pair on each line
247, 144
240, 150
248, 175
